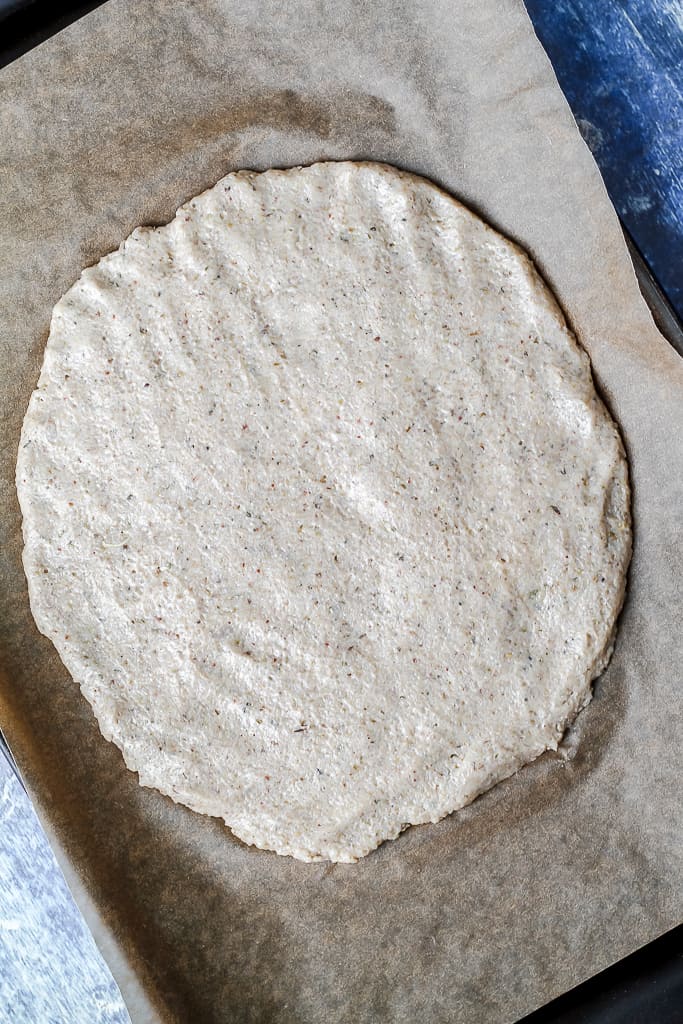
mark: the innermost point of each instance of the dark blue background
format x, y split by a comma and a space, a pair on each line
620, 65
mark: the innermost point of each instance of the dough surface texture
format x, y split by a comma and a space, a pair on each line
321, 508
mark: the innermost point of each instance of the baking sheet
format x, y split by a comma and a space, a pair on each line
555, 873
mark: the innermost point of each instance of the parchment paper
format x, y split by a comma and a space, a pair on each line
555, 873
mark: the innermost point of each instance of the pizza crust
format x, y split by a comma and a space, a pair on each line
321, 509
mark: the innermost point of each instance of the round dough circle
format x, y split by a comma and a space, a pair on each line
321, 509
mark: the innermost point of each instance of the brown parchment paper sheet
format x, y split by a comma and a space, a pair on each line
555, 873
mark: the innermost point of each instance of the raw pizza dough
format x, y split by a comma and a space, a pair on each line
321, 508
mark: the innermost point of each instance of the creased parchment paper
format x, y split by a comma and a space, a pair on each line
555, 873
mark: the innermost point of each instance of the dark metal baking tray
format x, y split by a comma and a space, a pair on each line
644, 988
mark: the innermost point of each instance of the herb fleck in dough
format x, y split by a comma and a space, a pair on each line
321, 508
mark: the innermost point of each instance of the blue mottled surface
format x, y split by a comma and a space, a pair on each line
51, 971
620, 65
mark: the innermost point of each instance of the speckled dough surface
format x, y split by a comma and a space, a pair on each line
321, 509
